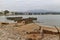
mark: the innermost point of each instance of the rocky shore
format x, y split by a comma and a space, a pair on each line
27, 29
31, 31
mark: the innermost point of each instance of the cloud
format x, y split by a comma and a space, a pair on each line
22, 5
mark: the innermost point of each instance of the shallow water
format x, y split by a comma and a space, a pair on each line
50, 20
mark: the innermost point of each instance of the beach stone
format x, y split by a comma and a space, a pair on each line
9, 34
51, 37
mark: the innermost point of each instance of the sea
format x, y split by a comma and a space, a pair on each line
50, 20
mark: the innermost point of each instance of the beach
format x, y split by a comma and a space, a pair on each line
26, 29
22, 32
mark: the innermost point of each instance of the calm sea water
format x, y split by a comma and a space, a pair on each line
50, 20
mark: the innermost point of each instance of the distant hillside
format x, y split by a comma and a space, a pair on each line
38, 11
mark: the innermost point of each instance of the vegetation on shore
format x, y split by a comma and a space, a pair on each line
7, 12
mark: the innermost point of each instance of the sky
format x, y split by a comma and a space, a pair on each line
24, 5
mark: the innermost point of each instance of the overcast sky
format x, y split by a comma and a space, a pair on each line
23, 5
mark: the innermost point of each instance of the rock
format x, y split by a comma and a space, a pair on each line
9, 34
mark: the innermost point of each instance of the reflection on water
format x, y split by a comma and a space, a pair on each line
43, 19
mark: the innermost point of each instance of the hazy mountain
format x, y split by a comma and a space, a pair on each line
38, 11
